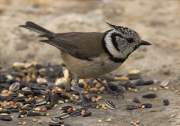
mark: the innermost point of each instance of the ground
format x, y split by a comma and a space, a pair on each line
156, 21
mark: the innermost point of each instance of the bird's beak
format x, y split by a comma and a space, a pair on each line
145, 43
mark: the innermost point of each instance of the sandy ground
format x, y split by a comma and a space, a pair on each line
156, 21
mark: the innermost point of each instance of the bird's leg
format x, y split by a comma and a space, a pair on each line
84, 102
109, 90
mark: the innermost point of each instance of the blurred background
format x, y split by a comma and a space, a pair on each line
156, 21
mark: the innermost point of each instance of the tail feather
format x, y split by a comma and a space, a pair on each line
38, 29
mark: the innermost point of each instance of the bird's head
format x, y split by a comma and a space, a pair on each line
120, 42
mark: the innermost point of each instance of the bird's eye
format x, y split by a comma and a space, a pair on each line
130, 40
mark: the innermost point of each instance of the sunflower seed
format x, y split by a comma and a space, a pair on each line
86, 114
164, 83
136, 100
147, 105
75, 113
110, 104
131, 107
43, 102
6, 118
166, 102
63, 115
149, 96
55, 120
15, 86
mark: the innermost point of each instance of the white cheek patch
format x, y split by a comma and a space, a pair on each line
110, 47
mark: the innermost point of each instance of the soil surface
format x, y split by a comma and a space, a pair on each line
157, 22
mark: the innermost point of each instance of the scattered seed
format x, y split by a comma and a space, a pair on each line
172, 89
166, 88
147, 105
160, 88
121, 78
24, 123
66, 100
134, 124
131, 107
61, 121
133, 71
99, 121
153, 110
137, 121
154, 89
149, 96
47, 114
55, 105
136, 100
88, 113
110, 105
135, 90
164, 83
166, 102
43, 109
19, 123
39, 121
48, 103
34, 120
109, 120
129, 89
142, 106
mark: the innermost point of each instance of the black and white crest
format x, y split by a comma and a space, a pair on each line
120, 42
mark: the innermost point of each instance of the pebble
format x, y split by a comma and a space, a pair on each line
166, 102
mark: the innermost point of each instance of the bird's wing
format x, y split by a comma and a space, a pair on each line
78, 44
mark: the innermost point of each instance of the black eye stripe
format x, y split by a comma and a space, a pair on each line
130, 40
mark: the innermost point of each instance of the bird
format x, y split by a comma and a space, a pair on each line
92, 54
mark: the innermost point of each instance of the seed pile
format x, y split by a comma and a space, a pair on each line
31, 89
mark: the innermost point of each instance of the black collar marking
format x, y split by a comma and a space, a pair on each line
116, 60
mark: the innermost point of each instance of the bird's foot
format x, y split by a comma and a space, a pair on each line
112, 93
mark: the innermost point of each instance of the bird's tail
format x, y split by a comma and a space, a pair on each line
38, 29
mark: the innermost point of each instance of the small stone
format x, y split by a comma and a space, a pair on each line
166, 102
